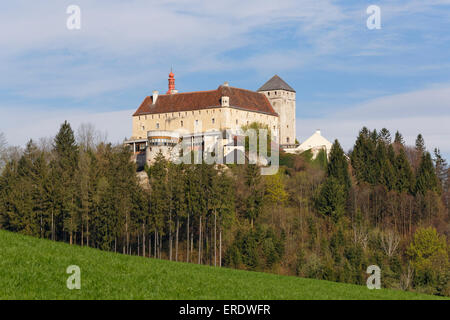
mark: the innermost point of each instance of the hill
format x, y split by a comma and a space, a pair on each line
33, 268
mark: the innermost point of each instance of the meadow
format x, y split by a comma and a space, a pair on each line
32, 268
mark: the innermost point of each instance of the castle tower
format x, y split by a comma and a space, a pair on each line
171, 83
282, 98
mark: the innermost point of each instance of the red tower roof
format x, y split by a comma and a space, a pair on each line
171, 83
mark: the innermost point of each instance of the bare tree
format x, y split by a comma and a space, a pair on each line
88, 137
406, 278
389, 242
360, 236
3, 146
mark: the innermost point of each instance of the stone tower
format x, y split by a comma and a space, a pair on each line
282, 97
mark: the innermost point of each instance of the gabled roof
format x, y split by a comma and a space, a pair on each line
190, 101
276, 83
315, 141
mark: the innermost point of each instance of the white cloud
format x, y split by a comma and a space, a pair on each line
424, 111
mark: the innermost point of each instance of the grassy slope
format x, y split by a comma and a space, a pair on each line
35, 269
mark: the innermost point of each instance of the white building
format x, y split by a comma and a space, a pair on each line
315, 143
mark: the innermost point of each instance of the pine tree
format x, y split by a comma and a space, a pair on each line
338, 166
426, 176
331, 200
441, 167
255, 192
403, 172
64, 165
420, 146
385, 136
399, 139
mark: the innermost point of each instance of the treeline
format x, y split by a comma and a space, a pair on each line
382, 203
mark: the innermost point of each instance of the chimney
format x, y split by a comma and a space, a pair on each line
155, 96
226, 84
318, 131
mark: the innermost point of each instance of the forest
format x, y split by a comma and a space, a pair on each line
381, 203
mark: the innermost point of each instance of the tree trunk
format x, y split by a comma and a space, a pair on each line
187, 240
176, 241
160, 246
220, 247
200, 241
154, 244
53, 228
143, 240
87, 230
215, 238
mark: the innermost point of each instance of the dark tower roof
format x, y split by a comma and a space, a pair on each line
276, 83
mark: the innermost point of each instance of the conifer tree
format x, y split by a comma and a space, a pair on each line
385, 136
255, 192
64, 165
331, 200
338, 166
404, 174
441, 166
426, 176
420, 146
399, 139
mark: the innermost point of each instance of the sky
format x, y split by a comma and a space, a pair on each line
346, 76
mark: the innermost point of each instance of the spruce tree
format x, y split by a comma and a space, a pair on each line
441, 166
331, 199
426, 176
64, 166
385, 136
399, 139
338, 166
420, 146
403, 172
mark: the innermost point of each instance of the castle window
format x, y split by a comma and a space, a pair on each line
237, 121
143, 128
268, 93
157, 125
181, 122
196, 122
287, 139
213, 120
287, 126
145, 117
139, 117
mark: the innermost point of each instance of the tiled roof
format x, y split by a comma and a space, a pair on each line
276, 83
190, 101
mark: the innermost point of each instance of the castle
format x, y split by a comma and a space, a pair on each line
202, 117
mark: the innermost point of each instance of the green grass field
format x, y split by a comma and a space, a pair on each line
32, 268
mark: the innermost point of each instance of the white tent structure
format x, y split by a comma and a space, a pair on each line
315, 143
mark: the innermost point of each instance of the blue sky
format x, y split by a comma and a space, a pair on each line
346, 76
